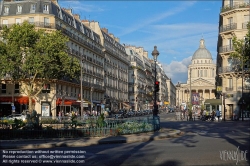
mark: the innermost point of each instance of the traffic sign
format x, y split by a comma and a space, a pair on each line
13, 107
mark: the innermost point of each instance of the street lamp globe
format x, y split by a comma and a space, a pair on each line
155, 53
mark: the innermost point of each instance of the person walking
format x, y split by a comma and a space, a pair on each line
218, 114
213, 115
60, 116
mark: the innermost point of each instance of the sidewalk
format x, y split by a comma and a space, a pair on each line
81, 142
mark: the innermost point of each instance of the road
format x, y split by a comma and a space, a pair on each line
204, 143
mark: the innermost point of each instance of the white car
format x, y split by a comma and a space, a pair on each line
17, 116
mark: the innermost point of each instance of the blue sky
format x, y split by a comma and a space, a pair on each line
175, 27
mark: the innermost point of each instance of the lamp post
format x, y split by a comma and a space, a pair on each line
156, 118
91, 96
242, 81
81, 87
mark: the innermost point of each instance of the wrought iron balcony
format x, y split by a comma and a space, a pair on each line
244, 25
229, 88
227, 48
228, 27
234, 6
229, 69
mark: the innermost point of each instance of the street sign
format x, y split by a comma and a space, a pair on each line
219, 88
85, 104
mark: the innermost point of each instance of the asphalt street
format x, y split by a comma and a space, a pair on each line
203, 143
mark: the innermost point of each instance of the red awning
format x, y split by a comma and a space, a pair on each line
19, 99
66, 102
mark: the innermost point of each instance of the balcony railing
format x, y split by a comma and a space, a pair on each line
230, 69
228, 27
244, 25
226, 48
229, 88
235, 6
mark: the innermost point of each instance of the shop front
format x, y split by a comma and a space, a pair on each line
213, 104
67, 106
20, 103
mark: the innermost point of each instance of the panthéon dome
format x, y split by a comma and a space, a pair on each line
202, 52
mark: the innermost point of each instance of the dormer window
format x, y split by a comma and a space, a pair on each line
33, 8
45, 8
19, 9
6, 9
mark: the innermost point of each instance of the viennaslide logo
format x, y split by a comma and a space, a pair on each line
234, 155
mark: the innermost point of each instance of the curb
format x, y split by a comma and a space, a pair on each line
94, 141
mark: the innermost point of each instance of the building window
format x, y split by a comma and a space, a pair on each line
46, 22
231, 3
46, 8
205, 73
18, 20
19, 9
212, 72
229, 61
3, 88
230, 20
17, 88
230, 82
33, 7
31, 19
6, 9
230, 43
5, 22
46, 88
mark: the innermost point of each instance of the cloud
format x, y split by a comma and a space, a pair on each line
177, 71
156, 18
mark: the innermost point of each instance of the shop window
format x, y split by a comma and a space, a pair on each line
46, 88
4, 88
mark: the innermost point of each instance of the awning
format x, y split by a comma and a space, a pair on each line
84, 101
213, 102
67, 102
19, 99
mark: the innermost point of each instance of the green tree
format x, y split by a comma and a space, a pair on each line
241, 50
34, 58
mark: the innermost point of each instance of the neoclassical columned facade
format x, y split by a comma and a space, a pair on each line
201, 78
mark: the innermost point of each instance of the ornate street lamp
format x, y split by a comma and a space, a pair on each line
156, 118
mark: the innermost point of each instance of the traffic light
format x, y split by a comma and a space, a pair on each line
157, 86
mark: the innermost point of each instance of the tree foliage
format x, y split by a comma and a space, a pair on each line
241, 49
34, 57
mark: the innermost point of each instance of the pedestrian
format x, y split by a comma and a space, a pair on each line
60, 116
218, 114
213, 115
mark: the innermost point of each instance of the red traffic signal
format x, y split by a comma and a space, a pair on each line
157, 86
